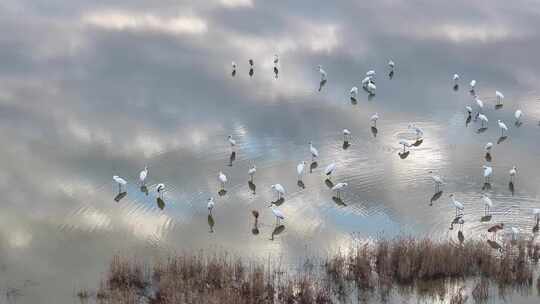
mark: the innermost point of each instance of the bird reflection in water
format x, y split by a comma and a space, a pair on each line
418, 142
354, 101
501, 139
468, 120
486, 186
211, 223
435, 197
346, 145
222, 192
461, 237
144, 189
329, 183
403, 155
232, 158
374, 131
252, 187
495, 245
511, 187
255, 229
313, 166
339, 201
301, 184
321, 84
120, 196
488, 157
458, 220
160, 203
278, 202
277, 230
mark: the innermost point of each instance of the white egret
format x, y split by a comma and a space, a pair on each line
374, 119
419, 132
338, 187
346, 135
488, 173
483, 119
210, 205
459, 206
480, 104
314, 151
251, 172
512, 173
143, 175
279, 190
159, 189
499, 96
120, 181
231, 141
370, 73
488, 204
222, 178
502, 126
437, 180
473, 84
322, 72
366, 81
329, 170
391, 64
468, 109
518, 114
456, 79
354, 92
300, 169
277, 213
488, 147
251, 63
371, 87
276, 59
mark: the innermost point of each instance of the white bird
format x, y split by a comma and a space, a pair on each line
515, 233
371, 87
278, 214
488, 204
518, 114
473, 84
536, 213
480, 104
210, 205
419, 132
437, 180
329, 170
366, 81
456, 78
231, 141
222, 178
346, 135
234, 65
502, 126
300, 169
374, 119
143, 175
322, 72
391, 64
314, 151
276, 59
160, 188
499, 96
120, 181
354, 92
459, 206
488, 172
370, 73
279, 190
488, 147
338, 187
483, 119
468, 109
251, 172
513, 173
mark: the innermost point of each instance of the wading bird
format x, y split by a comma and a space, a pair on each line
338, 187
159, 189
488, 204
488, 172
480, 105
222, 178
279, 190
277, 213
143, 175
468, 109
459, 206
374, 119
483, 119
314, 152
354, 93
473, 85
518, 114
371, 88
329, 170
502, 126
322, 72
437, 180
391, 64
300, 169
512, 173
456, 79
232, 142
233, 68
210, 205
488, 147
500, 97
405, 144
346, 135
419, 132
251, 172
120, 181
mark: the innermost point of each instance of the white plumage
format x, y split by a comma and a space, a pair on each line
512, 173
354, 92
338, 187
479, 103
143, 175
488, 172
278, 214
374, 119
370, 73
518, 114
120, 181
502, 126
251, 171
210, 204
483, 119
313, 150
322, 72
499, 96
459, 206
231, 141
279, 189
391, 64
222, 178
365, 81
488, 147
468, 109
473, 84
330, 169
456, 78
160, 188
300, 169
371, 87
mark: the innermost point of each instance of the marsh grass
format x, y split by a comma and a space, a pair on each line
403, 265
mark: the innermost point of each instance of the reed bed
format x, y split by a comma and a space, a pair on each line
371, 272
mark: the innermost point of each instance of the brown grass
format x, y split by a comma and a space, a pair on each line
423, 266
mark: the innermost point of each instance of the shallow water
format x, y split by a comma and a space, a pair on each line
91, 89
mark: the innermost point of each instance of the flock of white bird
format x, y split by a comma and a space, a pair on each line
368, 84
